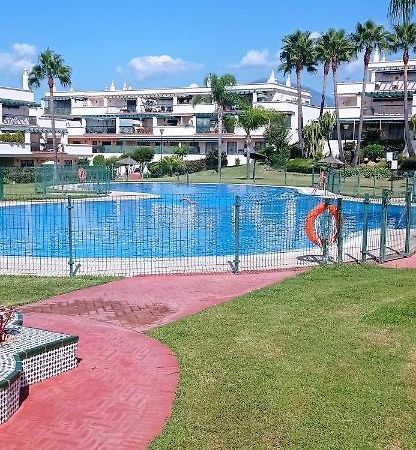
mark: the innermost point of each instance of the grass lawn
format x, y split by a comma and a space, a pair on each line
268, 176
19, 290
323, 361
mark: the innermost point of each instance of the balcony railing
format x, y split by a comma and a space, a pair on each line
385, 110
18, 120
135, 130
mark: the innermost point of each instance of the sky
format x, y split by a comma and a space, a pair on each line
169, 43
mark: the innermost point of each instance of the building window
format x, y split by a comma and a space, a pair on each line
211, 147
27, 163
231, 148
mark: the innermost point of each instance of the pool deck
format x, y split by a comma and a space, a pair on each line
122, 393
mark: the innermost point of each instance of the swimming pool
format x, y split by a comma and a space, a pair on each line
175, 221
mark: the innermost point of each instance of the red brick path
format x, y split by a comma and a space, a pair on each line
121, 394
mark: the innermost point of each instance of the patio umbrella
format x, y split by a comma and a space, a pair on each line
331, 161
127, 162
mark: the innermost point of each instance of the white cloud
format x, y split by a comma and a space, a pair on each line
255, 58
22, 49
145, 67
315, 34
20, 57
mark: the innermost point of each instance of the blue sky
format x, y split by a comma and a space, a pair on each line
168, 43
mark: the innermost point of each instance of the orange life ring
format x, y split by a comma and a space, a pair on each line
82, 175
311, 224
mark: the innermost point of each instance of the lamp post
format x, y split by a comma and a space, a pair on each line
161, 130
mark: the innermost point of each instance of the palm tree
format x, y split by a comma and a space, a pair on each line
327, 123
402, 10
298, 53
341, 50
223, 99
50, 67
366, 38
403, 39
322, 56
252, 119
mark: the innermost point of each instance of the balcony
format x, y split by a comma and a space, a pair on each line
384, 110
135, 130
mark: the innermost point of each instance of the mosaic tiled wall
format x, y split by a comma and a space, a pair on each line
30, 356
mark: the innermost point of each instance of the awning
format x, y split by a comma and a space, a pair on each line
16, 103
389, 94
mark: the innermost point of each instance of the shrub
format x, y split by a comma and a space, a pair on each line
195, 166
19, 175
349, 150
98, 160
171, 165
408, 164
300, 165
374, 151
294, 150
13, 138
379, 171
212, 160
180, 151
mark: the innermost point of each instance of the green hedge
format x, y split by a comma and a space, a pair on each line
19, 174
13, 138
300, 165
195, 166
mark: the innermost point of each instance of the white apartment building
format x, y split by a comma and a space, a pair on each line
112, 120
384, 101
21, 116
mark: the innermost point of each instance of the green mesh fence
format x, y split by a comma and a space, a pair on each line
90, 179
171, 233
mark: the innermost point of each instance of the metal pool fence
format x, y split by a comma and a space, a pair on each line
151, 234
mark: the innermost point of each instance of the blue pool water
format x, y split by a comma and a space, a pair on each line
193, 220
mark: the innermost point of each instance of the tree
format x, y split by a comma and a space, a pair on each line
403, 39
276, 139
180, 151
224, 98
252, 119
341, 50
314, 140
327, 123
402, 10
298, 54
142, 154
323, 56
366, 38
98, 160
50, 67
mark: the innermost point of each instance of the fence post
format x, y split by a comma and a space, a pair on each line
408, 222
1, 184
187, 177
358, 183
236, 262
365, 229
69, 206
383, 229
340, 231
325, 237
285, 175
391, 184
313, 177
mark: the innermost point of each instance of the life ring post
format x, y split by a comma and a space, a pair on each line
325, 237
340, 237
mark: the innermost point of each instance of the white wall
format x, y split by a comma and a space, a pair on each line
17, 94
7, 149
